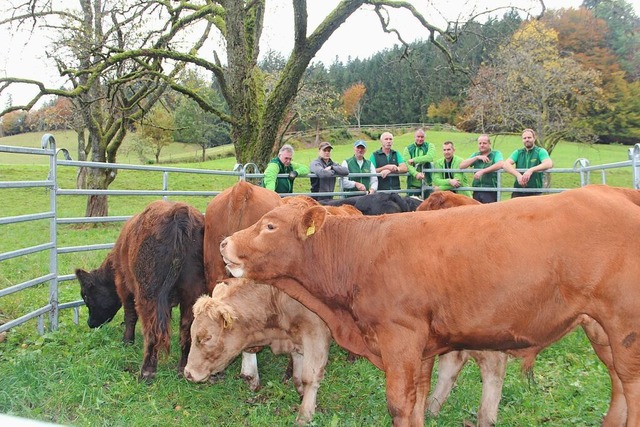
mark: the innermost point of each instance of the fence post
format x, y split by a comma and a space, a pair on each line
585, 176
49, 140
634, 156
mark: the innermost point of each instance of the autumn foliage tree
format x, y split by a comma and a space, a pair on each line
529, 84
585, 38
443, 112
353, 99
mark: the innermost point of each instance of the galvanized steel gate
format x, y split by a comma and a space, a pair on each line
48, 148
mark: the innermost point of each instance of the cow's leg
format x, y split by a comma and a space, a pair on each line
617, 414
151, 343
449, 367
130, 319
423, 382
311, 368
493, 367
401, 353
186, 319
249, 370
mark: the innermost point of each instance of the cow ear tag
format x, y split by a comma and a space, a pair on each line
312, 229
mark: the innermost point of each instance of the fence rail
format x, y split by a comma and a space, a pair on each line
51, 309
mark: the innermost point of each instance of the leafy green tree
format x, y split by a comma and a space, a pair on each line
317, 104
154, 132
443, 112
195, 125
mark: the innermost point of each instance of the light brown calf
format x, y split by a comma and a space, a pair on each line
241, 314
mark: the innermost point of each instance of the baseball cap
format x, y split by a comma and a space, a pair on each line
359, 143
324, 145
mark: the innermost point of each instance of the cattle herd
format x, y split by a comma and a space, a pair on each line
260, 270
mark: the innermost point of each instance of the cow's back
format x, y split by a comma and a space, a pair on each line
233, 209
151, 242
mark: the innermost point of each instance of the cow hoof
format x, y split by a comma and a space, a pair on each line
147, 376
254, 384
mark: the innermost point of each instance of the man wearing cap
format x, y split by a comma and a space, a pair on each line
358, 164
283, 164
388, 161
326, 171
419, 156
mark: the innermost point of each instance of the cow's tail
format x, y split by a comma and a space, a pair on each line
179, 240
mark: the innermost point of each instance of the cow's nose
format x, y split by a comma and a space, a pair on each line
223, 244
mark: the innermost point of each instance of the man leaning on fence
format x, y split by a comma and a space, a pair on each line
388, 161
283, 164
486, 162
419, 156
531, 157
358, 164
326, 171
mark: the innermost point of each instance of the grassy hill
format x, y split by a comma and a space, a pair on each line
564, 155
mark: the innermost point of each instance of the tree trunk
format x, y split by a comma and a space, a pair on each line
81, 176
98, 204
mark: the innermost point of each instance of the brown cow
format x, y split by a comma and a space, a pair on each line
556, 259
241, 314
492, 364
234, 209
445, 200
156, 263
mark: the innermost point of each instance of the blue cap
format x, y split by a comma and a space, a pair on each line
360, 143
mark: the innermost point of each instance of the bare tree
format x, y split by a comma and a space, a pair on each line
106, 103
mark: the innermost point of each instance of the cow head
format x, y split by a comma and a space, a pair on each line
98, 290
215, 338
268, 247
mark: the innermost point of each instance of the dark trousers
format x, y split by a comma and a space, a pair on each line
485, 196
521, 194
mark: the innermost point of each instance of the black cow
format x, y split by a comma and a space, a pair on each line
377, 203
155, 264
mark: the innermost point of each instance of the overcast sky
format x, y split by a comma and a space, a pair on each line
360, 36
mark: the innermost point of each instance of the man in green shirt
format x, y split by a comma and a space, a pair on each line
531, 157
449, 180
419, 156
487, 162
283, 164
388, 161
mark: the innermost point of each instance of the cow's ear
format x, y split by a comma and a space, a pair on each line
227, 319
82, 277
312, 221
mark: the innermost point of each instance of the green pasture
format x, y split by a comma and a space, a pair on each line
78, 376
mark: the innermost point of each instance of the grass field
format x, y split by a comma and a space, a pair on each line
78, 376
